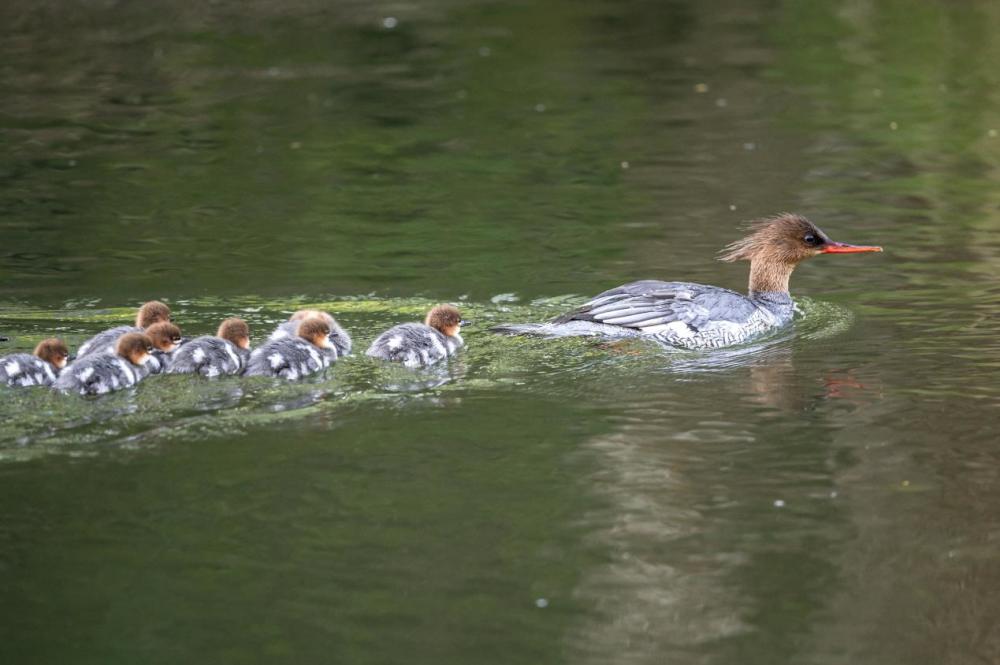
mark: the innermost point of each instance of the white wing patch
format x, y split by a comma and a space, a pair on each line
232, 356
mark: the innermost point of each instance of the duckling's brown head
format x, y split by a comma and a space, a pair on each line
53, 351
316, 331
303, 314
786, 239
135, 347
152, 312
166, 336
445, 318
236, 331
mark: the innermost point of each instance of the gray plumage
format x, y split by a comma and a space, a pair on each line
160, 361
99, 373
107, 341
104, 342
24, 369
289, 358
209, 356
679, 314
414, 345
338, 335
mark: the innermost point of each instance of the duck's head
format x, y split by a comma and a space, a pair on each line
236, 331
786, 239
135, 347
53, 351
446, 319
316, 331
303, 314
152, 312
165, 335
777, 244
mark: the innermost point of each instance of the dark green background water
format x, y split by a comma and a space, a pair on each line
826, 496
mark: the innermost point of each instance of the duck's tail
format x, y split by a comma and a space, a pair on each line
533, 329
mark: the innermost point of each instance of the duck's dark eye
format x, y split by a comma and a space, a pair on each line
810, 239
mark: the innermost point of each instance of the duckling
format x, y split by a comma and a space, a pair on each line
100, 373
166, 339
421, 344
341, 340
310, 351
226, 353
40, 368
152, 312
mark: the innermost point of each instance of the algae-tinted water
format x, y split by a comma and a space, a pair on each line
827, 495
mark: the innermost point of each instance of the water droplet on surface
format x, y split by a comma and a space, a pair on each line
625, 165
701, 87
484, 51
893, 126
877, 92
295, 145
992, 133
542, 603
721, 102
779, 503
749, 145
389, 22
732, 207
540, 108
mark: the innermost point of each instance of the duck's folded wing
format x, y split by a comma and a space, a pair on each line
648, 306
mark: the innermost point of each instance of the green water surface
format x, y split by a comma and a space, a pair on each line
827, 495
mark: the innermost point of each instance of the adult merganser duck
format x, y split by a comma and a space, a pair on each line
152, 312
696, 316
101, 373
421, 344
166, 339
310, 351
341, 340
40, 368
226, 353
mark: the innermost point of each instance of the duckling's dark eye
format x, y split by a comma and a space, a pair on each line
149, 349
175, 340
810, 239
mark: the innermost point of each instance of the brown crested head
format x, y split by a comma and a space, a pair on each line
445, 318
316, 331
152, 312
786, 239
134, 347
53, 351
166, 336
236, 331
